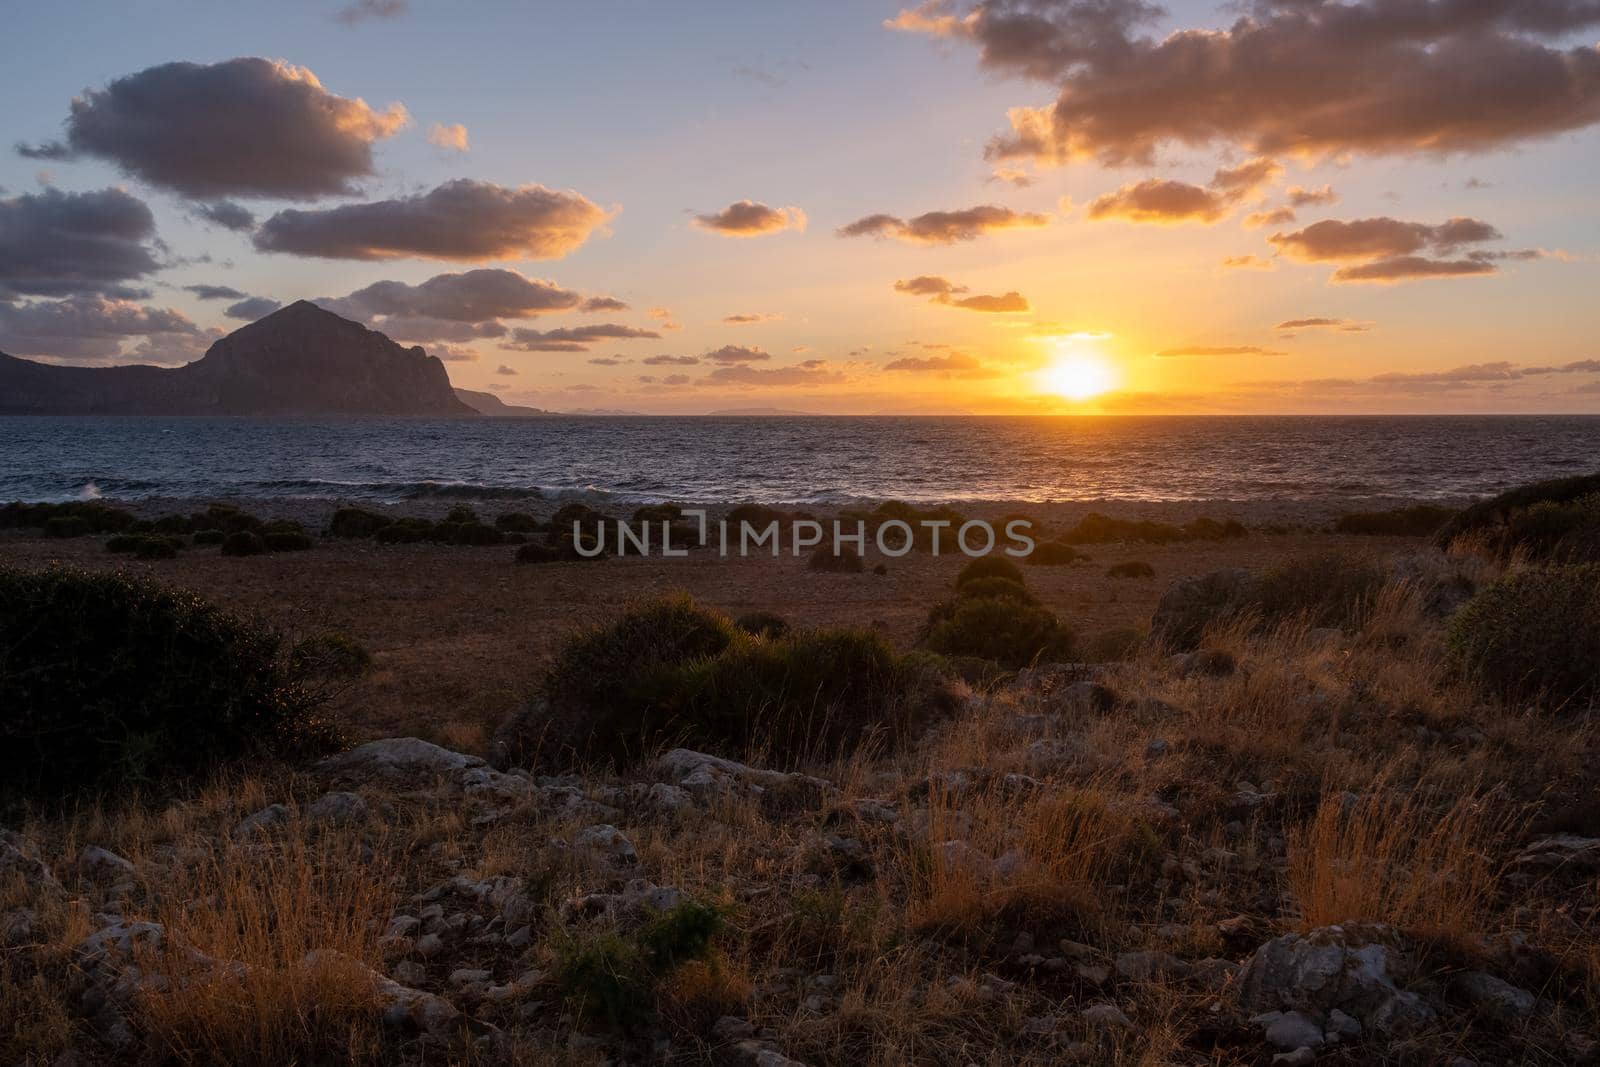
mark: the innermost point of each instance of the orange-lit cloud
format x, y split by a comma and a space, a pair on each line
1390, 250
1217, 350
737, 354
748, 218
945, 227
955, 365
1343, 325
943, 291
752, 318
1167, 201
453, 136
573, 338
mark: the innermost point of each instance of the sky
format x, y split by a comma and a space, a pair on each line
1013, 206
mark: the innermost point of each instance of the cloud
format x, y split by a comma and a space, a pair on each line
602, 303
664, 316
93, 329
810, 373
228, 215
573, 338
1312, 77
453, 136
241, 127
454, 354
57, 244
1343, 325
1167, 201
944, 227
1277, 216
419, 328
955, 365
252, 308
506, 371
943, 291
671, 361
1013, 175
747, 218
746, 320
1301, 197
1390, 250
1220, 350
607, 361
468, 296
1248, 262
1006, 302
1499, 371
737, 354
361, 10
461, 219
928, 285
215, 292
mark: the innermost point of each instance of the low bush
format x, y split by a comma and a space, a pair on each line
329, 655
989, 567
124, 543
1534, 633
157, 548
356, 522
845, 561
658, 513
243, 543
1133, 568
763, 624
671, 671
996, 588
287, 541
617, 976
1111, 646
97, 517
476, 533
759, 516
1095, 528
1491, 516
173, 525
1420, 520
1054, 554
1321, 589
463, 515
404, 532
107, 678
580, 516
1012, 633
208, 537
227, 518
516, 522
67, 526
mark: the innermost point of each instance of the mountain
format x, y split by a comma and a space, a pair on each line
299, 360
761, 413
489, 404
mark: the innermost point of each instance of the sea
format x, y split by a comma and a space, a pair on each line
813, 459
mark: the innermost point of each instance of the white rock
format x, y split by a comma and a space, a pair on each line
1290, 1029
606, 840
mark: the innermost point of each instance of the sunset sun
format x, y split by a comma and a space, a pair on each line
1077, 376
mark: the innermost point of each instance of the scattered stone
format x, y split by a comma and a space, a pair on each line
258, 823
1191, 605
1297, 1058
400, 757
1106, 1017
338, 809
1150, 964
1496, 999
1562, 851
1091, 696
103, 865
1331, 968
607, 841
1290, 1029
19, 858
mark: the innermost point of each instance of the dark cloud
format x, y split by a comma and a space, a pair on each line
506, 371
242, 127
1344, 325
228, 215
607, 361
1303, 76
58, 244
1165, 200
928, 285
468, 296
1217, 350
215, 292
602, 303
944, 227
737, 354
811, 372
671, 361
419, 328
1006, 302
573, 338
750, 319
1302, 197
1248, 262
252, 308
747, 218
955, 365
1390, 250
943, 291
358, 11
94, 329
461, 219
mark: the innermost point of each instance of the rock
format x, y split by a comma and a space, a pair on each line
1204, 663
465, 976
337, 808
731, 1028
759, 1054
404, 1007
1191, 605
429, 946
19, 927
1144, 966
20, 859
410, 972
268, 817
1563, 851
400, 757
1157, 748
668, 799
485, 785
103, 865
1331, 968
1496, 999
638, 897
1290, 1029
701, 774
1297, 1058
1106, 1017
606, 841
1342, 1026
1090, 696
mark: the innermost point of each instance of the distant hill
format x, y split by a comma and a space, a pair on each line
762, 412
489, 404
299, 360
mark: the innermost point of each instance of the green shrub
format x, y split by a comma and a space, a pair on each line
157, 548
759, 516
124, 543
243, 543
1011, 633
763, 624
98, 517
1419, 520
586, 518
1133, 568
208, 537
173, 524
516, 522
1320, 588
404, 532
476, 533
845, 561
463, 514
286, 541
671, 671
617, 977
996, 588
227, 518
356, 522
1054, 554
110, 680
67, 526
989, 567
329, 655
1493, 514
1534, 633
1094, 529
658, 513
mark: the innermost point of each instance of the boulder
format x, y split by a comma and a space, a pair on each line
338, 808
1331, 968
400, 757
1192, 604
20, 859
1496, 999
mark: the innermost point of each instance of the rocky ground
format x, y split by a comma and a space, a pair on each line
1290, 847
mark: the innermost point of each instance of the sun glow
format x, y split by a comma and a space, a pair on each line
1077, 376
